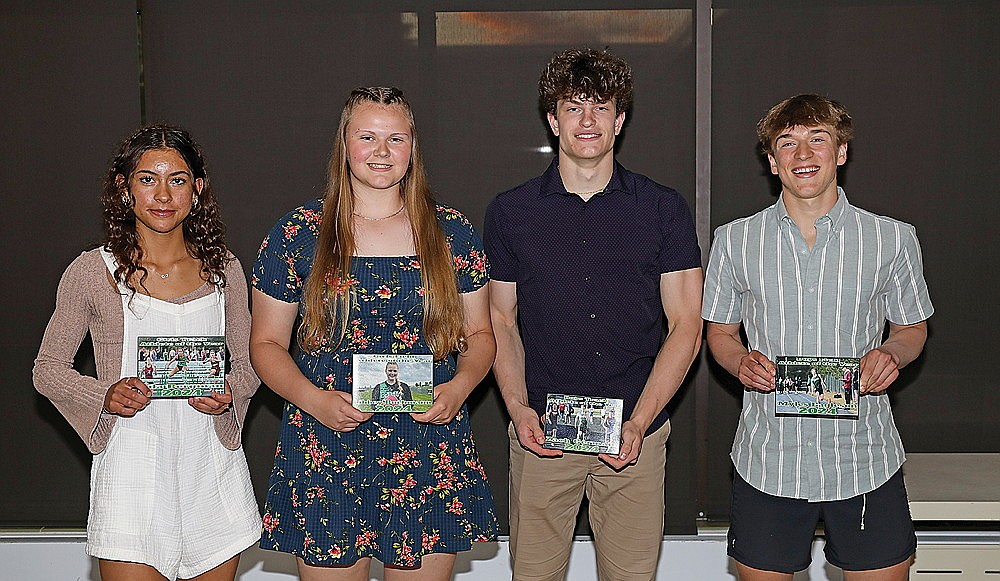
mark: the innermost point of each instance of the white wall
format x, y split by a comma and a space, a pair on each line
61, 557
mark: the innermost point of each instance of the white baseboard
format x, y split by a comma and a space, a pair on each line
58, 556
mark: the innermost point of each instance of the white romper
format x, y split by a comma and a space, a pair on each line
166, 492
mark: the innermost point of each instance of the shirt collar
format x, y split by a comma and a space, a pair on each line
836, 215
552, 182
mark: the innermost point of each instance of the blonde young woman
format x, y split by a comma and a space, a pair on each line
375, 267
170, 493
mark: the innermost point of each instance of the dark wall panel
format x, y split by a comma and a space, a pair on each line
68, 94
924, 119
262, 87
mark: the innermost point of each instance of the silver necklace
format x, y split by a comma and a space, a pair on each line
590, 193
163, 275
370, 219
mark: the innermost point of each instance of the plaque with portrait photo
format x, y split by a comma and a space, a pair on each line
392, 383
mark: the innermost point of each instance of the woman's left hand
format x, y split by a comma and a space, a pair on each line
215, 404
448, 399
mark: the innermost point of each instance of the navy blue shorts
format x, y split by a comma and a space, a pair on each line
870, 531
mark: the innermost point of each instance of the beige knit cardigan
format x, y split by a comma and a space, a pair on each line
86, 302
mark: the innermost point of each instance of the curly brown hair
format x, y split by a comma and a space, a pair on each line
806, 110
593, 74
204, 232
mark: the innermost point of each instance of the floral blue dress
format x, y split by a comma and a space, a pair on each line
393, 489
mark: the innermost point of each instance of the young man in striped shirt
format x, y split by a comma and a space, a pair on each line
813, 275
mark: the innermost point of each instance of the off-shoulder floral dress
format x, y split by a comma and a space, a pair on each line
393, 489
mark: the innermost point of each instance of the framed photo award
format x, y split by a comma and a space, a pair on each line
174, 366
817, 386
577, 423
393, 383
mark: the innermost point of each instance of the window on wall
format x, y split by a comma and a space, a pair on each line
564, 28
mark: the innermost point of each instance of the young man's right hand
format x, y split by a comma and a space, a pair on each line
757, 371
528, 427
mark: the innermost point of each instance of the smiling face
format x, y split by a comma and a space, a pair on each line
163, 190
391, 372
586, 130
379, 143
805, 159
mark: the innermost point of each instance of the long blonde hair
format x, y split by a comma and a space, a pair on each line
330, 295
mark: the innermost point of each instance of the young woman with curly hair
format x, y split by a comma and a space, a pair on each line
170, 489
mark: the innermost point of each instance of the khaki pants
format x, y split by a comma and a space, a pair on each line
626, 511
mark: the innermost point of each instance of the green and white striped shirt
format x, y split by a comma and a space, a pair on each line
833, 300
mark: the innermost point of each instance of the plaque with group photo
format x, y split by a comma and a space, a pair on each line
174, 366
817, 386
577, 423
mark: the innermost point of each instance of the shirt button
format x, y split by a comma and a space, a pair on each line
586, 279
812, 289
593, 316
809, 443
810, 327
598, 353
802, 251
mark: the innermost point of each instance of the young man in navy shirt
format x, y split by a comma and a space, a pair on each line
586, 260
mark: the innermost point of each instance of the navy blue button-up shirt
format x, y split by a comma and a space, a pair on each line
588, 279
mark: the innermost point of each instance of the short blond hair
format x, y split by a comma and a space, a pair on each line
805, 110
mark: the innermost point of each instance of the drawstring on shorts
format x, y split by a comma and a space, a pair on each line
864, 506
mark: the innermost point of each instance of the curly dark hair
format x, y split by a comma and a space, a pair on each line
204, 232
596, 75
806, 110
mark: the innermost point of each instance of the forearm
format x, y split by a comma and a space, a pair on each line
79, 398
475, 362
726, 348
56, 379
509, 367
243, 383
669, 369
905, 343
53, 374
